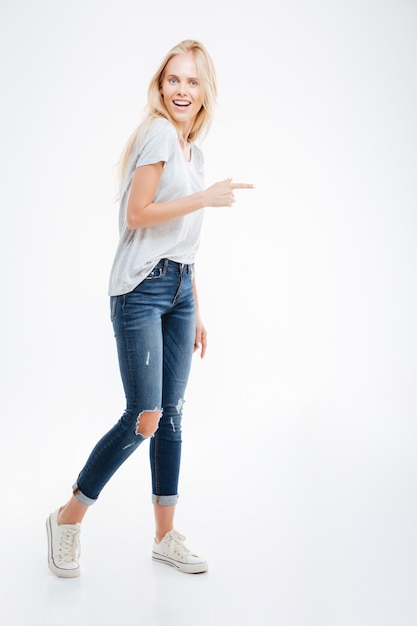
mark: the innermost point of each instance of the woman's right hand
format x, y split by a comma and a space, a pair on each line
143, 212
222, 193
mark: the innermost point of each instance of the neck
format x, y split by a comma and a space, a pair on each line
185, 132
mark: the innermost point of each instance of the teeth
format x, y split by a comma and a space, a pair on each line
181, 102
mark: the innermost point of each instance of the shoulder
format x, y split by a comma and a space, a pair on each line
197, 153
197, 149
158, 144
161, 127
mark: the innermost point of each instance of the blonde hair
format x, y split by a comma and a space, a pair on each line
156, 106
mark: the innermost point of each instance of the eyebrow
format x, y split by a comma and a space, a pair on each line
175, 76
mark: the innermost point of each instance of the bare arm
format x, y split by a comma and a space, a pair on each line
143, 212
200, 331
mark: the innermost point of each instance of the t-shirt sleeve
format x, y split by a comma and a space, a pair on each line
159, 144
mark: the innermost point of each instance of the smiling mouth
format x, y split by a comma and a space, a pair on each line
182, 104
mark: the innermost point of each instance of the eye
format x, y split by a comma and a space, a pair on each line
172, 80
194, 83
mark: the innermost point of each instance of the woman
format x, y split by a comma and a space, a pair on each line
154, 305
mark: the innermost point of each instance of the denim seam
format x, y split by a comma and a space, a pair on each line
126, 335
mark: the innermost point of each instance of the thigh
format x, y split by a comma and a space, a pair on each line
178, 345
137, 328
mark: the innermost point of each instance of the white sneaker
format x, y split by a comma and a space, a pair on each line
172, 551
63, 547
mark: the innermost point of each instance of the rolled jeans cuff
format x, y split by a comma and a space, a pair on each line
81, 497
164, 500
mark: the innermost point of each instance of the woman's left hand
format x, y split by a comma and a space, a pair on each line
200, 342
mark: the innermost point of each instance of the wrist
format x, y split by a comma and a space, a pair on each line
201, 199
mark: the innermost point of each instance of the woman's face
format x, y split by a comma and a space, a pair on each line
181, 89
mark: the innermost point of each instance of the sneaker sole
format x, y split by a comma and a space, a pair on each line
58, 571
186, 568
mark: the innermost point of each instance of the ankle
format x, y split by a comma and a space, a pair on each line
161, 534
61, 518
66, 517
72, 512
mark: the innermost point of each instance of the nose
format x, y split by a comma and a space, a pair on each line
182, 89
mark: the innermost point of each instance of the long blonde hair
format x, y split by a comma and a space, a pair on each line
156, 106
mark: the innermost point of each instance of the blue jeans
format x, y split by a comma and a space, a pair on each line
154, 326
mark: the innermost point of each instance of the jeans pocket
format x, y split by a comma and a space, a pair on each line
156, 273
113, 307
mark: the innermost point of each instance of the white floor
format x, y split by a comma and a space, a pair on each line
318, 530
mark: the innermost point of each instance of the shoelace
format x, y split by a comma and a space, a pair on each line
70, 548
176, 545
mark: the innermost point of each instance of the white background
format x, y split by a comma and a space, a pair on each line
299, 466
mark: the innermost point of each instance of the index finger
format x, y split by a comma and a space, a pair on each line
242, 186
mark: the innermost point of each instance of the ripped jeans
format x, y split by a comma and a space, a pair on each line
154, 326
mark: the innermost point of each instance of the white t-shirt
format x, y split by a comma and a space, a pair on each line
140, 250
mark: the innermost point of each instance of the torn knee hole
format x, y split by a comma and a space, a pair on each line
147, 423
